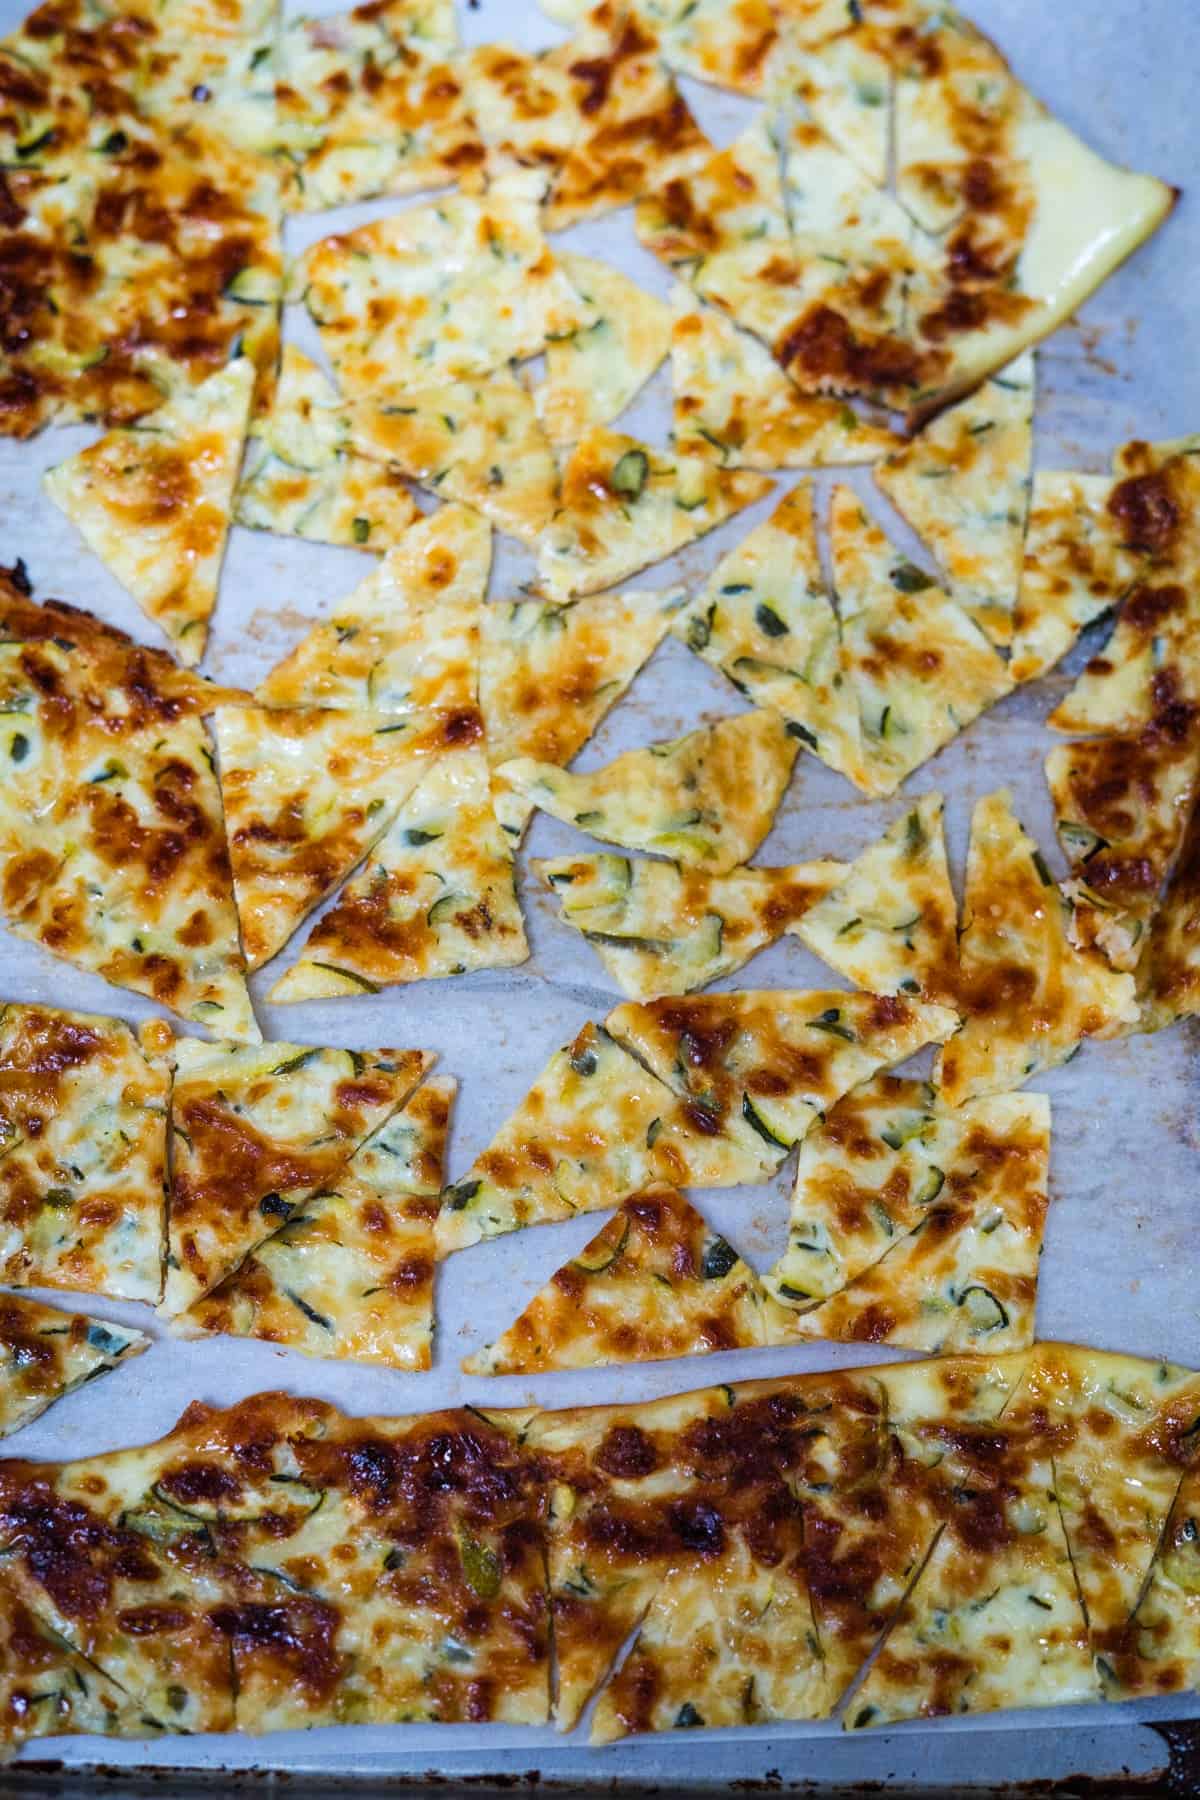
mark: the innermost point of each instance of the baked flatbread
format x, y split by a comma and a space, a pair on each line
729, 46
1076, 566
1148, 667
302, 479
476, 441
920, 668
256, 1131
765, 620
706, 800
154, 501
46, 1690
435, 896
625, 504
371, 102
1027, 996
1158, 1652
45, 1354
735, 404
764, 1066
1168, 976
891, 924
655, 1282
593, 372
524, 108
438, 293
660, 928
835, 61
83, 1152
407, 638
350, 1275
963, 485
306, 794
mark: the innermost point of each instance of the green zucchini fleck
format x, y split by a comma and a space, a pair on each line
630, 474
719, 1258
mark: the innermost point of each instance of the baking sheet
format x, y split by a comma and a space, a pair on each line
1119, 1269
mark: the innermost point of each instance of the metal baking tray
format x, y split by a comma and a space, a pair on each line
1120, 1265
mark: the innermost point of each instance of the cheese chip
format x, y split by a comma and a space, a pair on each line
45, 1354
1075, 567
594, 371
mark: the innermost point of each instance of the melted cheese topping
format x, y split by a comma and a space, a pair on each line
1168, 976
1028, 996
625, 504
891, 924
302, 479
45, 1354
482, 444
524, 108
407, 638
83, 1165
706, 800
963, 485
154, 501
256, 1132
655, 1282
727, 42
1075, 567
660, 929
1158, 1651
593, 372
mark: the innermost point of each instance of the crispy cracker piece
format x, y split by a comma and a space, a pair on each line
350, 1276
476, 441
920, 668
1168, 973
891, 924
963, 484
1157, 1649
706, 800
594, 371
1028, 997
103, 758
733, 403
45, 1354
729, 46
662, 929
407, 638
372, 102
47, 1690
438, 293
257, 1130
435, 897
595, 1127
763, 1066
835, 60
306, 794
302, 479
625, 504
655, 1282
83, 1153
524, 107
1122, 806
937, 1243
637, 130
154, 501
765, 620
1076, 566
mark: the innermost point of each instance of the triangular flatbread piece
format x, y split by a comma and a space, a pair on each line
835, 60
302, 479
407, 638
1075, 566
47, 1690
625, 504
257, 1130
306, 794
655, 1282
593, 372
1158, 1651
963, 485
350, 1276
637, 129
524, 109
728, 46
594, 1128
435, 896
439, 293
1168, 975
764, 1066
960, 1273
45, 1354
83, 1152
706, 800
479, 442
154, 501
1028, 997
766, 621
661, 929
920, 668
1121, 807
104, 758
734, 403
891, 924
